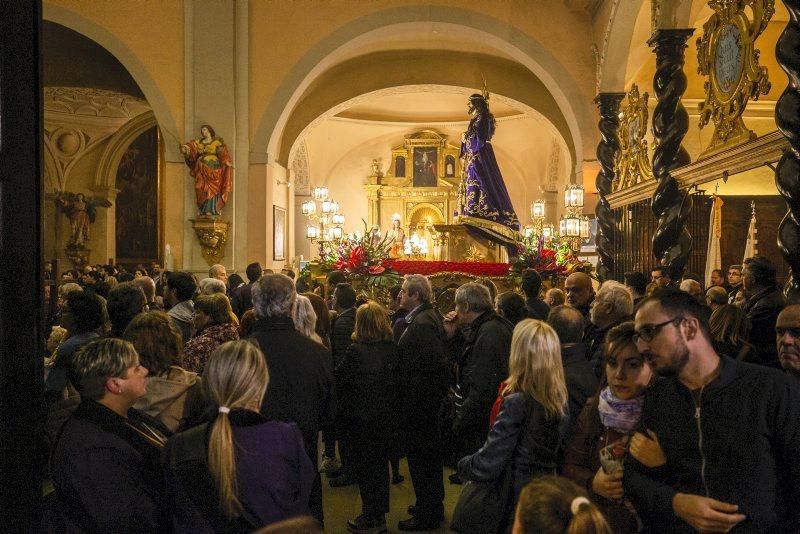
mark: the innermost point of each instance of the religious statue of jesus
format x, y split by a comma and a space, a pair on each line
486, 203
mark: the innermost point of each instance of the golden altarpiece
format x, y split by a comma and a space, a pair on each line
421, 190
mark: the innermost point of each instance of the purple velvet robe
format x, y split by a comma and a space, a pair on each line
486, 194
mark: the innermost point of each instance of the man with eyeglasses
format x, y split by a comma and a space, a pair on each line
734, 282
729, 430
787, 333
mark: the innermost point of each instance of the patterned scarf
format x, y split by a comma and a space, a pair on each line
621, 415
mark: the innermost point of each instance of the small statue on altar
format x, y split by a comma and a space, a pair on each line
398, 238
212, 169
375, 236
485, 193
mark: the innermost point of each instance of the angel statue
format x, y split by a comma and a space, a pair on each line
81, 212
486, 204
212, 169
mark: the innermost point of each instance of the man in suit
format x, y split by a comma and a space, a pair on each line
424, 379
301, 388
242, 297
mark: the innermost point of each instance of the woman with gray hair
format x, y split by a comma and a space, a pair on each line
305, 318
106, 462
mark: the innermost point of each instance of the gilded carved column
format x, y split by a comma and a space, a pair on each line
787, 173
606, 150
672, 242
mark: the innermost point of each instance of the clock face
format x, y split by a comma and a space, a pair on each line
728, 58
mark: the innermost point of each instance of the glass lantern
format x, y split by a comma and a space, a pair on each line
585, 233
572, 226
528, 232
537, 209
547, 230
327, 206
320, 193
573, 196
312, 232
308, 207
336, 232
562, 226
337, 219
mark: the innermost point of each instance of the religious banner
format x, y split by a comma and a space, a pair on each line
751, 245
713, 254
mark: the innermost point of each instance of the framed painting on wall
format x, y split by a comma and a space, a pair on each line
278, 233
425, 166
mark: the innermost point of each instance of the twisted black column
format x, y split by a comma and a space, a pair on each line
787, 174
671, 240
606, 150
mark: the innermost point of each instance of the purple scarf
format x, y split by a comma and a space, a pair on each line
621, 415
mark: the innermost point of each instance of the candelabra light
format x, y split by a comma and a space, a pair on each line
325, 221
573, 225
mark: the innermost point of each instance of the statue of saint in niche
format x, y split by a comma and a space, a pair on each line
212, 169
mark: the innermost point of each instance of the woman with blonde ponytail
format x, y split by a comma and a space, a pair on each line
556, 505
241, 471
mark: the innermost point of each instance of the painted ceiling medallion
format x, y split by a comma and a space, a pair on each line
728, 58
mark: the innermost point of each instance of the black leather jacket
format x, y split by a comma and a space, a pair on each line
531, 454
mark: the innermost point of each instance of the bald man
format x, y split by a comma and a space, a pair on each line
580, 293
787, 334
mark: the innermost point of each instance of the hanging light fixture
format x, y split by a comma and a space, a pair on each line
573, 196
308, 207
320, 193
537, 209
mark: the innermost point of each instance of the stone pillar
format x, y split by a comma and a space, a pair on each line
606, 150
787, 173
671, 240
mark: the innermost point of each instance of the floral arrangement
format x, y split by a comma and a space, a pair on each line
551, 256
364, 258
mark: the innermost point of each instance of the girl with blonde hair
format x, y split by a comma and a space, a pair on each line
524, 437
241, 471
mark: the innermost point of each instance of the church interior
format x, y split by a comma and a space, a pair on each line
642, 105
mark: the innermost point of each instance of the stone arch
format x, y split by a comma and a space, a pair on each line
129, 60
106, 176
625, 39
521, 47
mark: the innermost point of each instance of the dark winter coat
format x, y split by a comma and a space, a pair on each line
740, 443
423, 372
483, 365
342, 328
301, 388
273, 474
106, 474
536, 308
531, 454
762, 309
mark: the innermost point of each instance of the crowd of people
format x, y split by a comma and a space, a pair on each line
186, 405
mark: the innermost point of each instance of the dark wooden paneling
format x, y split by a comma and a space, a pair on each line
735, 222
633, 251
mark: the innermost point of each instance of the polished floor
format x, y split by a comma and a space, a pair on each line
342, 504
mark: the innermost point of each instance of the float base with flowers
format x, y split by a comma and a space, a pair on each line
365, 260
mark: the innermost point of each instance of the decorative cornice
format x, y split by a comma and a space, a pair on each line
86, 101
766, 149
